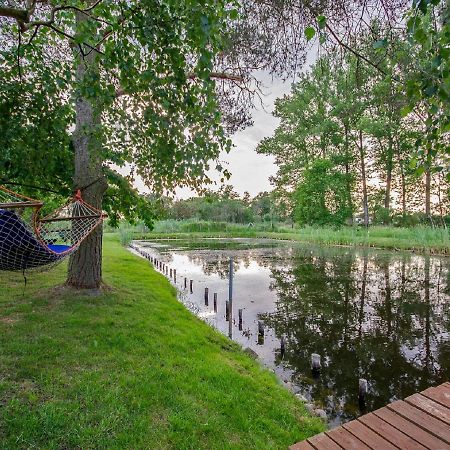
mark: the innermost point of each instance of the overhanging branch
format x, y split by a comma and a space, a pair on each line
21, 15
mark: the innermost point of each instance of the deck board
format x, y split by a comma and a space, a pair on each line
345, 439
405, 426
365, 434
421, 421
441, 396
390, 433
429, 406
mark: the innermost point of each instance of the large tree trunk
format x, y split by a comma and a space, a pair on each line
85, 265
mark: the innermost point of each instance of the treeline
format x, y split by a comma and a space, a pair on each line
348, 143
225, 205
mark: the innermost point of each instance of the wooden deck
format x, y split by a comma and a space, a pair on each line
421, 421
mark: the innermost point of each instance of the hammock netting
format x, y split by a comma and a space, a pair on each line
29, 241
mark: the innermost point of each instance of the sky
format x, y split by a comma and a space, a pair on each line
250, 171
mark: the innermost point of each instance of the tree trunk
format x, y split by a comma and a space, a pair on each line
85, 265
389, 164
347, 171
428, 193
401, 165
363, 179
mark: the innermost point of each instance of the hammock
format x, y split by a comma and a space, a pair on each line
29, 241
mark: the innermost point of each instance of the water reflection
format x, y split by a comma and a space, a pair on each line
382, 316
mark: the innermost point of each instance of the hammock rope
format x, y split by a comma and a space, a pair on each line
29, 241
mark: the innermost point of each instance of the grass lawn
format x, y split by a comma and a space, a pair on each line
131, 368
419, 239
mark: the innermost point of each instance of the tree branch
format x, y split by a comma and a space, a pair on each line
21, 15
357, 54
218, 75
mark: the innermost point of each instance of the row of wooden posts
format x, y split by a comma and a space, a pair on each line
316, 365
172, 274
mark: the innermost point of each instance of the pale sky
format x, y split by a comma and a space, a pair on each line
249, 170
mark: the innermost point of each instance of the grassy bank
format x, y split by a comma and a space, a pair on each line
130, 368
419, 239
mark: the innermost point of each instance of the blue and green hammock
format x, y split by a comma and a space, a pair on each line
29, 241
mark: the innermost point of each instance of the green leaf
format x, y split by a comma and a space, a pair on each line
406, 110
322, 21
234, 14
309, 33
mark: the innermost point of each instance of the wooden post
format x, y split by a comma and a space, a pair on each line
260, 333
240, 319
185, 282
191, 286
315, 363
175, 275
260, 328
215, 302
206, 296
230, 300
362, 390
227, 310
283, 345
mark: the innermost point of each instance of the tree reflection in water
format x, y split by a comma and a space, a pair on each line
381, 317
378, 315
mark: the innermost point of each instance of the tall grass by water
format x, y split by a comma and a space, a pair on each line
419, 238
202, 226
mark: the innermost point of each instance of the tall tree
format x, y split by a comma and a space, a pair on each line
130, 91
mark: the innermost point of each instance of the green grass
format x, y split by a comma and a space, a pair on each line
130, 368
419, 239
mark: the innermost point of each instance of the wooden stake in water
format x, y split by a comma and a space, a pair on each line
283, 345
240, 319
171, 273
206, 296
215, 302
260, 333
185, 282
175, 275
230, 300
191, 286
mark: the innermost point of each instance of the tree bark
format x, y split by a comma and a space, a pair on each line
363, 179
401, 165
85, 265
428, 193
389, 164
347, 170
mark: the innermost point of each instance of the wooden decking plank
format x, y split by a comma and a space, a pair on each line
390, 433
429, 406
346, 440
422, 419
441, 394
323, 442
366, 435
303, 445
420, 422
412, 430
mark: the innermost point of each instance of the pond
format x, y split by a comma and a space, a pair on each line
379, 315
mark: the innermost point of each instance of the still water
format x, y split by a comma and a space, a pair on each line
379, 315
